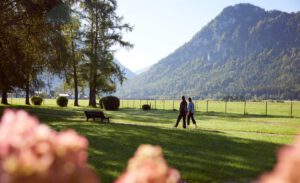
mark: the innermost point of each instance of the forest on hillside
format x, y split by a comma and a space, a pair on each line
245, 52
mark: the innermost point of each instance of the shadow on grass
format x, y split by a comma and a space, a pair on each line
50, 114
170, 116
200, 155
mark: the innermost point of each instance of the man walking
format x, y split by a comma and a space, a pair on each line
191, 110
182, 112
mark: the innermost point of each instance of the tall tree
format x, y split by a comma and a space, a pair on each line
104, 30
30, 40
73, 34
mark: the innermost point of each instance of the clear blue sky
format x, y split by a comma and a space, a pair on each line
161, 26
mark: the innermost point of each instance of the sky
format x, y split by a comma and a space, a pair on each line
161, 26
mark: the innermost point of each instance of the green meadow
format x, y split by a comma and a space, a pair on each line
226, 147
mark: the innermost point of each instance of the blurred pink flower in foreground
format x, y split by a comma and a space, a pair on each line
287, 169
149, 166
32, 152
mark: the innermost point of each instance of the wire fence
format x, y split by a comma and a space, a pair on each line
267, 108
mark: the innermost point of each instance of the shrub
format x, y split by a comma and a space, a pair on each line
36, 100
62, 101
110, 103
146, 107
101, 103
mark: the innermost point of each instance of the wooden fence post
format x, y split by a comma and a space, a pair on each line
291, 109
207, 106
173, 105
266, 108
245, 107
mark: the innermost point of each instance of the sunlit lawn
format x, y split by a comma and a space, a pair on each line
225, 147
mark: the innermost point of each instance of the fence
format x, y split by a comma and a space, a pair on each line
267, 108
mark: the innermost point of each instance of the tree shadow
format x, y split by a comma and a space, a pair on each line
200, 155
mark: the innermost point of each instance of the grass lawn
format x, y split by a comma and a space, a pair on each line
225, 148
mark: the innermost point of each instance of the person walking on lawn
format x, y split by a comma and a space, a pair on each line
182, 112
191, 111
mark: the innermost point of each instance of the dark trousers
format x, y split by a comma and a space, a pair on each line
190, 115
181, 115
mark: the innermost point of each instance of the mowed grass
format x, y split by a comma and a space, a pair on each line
284, 109
224, 148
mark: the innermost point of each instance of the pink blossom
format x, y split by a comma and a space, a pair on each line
287, 169
32, 152
148, 166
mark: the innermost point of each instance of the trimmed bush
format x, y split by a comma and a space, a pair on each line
62, 101
146, 107
101, 103
36, 100
110, 103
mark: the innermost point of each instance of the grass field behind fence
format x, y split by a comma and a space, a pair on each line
251, 108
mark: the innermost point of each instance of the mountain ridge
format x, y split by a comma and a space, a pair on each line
218, 58
128, 73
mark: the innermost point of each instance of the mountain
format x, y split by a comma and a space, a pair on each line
140, 71
245, 51
128, 73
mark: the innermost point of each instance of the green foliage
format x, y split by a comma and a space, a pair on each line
62, 101
111, 103
28, 43
146, 107
105, 31
36, 100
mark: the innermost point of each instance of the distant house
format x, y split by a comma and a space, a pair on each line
63, 95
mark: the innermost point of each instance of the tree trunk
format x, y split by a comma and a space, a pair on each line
75, 89
74, 72
27, 94
4, 97
92, 98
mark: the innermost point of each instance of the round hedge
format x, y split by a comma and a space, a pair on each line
36, 100
110, 103
62, 101
146, 107
101, 103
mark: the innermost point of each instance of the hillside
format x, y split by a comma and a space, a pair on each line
54, 82
140, 71
245, 51
128, 73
